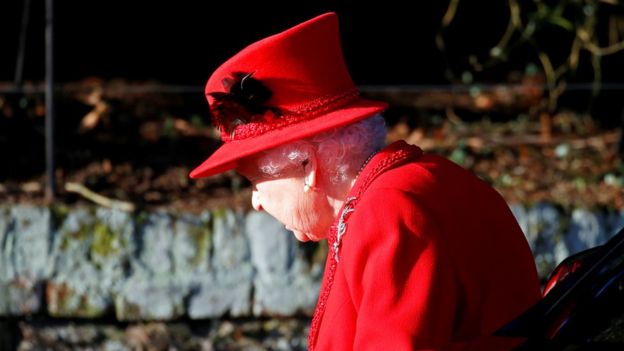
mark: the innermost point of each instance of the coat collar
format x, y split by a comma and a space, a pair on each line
389, 157
394, 155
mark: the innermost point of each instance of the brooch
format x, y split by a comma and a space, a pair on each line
342, 226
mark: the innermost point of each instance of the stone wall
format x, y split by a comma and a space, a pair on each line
97, 262
554, 233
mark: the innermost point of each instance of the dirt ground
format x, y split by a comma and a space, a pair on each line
138, 147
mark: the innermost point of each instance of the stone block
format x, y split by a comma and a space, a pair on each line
27, 243
586, 230
615, 222
211, 299
19, 297
92, 250
273, 248
25, 257
192, 244
544, 231
149, 298
283, 283
154, 240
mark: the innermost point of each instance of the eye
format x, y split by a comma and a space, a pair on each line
251, 177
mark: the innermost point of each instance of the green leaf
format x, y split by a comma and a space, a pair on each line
458, 156
561, 22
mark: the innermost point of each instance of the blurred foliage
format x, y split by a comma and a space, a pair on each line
580, 25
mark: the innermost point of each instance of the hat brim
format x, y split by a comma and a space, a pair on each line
227, 156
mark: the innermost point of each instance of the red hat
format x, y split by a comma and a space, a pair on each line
282, 88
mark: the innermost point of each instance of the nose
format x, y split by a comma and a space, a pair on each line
255, 200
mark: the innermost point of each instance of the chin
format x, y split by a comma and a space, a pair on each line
301, 236
313, 237
305, 237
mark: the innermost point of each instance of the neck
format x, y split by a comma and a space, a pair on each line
337, 199
341, 195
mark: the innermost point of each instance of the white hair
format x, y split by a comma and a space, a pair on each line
341, 151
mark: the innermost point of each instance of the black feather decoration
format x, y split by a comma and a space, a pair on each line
243, 103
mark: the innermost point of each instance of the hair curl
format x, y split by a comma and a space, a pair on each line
341, 151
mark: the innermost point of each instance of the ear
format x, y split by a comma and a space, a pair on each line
310, 169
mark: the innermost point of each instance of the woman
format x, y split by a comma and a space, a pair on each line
423, 255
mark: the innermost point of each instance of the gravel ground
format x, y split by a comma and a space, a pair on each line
289, 334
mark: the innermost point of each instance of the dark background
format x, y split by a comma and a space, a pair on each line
182, 42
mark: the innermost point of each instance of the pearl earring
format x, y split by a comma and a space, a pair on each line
306, 187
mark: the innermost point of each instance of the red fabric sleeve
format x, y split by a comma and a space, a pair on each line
402, 282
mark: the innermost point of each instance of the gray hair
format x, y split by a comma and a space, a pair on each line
341, 151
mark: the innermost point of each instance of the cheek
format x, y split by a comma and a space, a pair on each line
312, 216
304, 214
299, 213
279, 199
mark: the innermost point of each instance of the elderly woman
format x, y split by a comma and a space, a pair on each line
423, 255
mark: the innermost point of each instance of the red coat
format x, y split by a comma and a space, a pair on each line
431, 258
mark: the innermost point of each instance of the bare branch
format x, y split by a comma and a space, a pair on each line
97, 198
604, 51
451, 10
